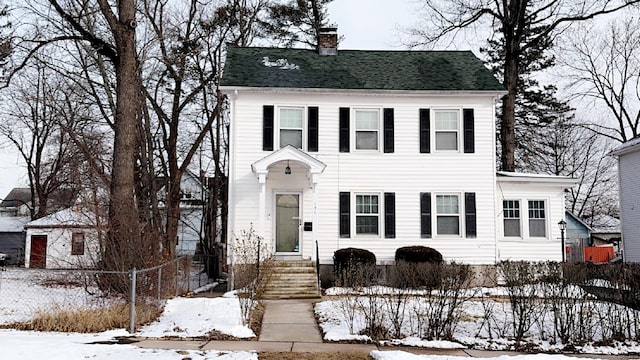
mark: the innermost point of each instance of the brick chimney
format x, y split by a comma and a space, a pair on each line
328, 41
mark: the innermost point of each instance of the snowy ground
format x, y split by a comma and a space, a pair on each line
182, 317
470, 332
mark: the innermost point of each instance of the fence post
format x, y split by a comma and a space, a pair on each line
177, 274
159, 283
132, 301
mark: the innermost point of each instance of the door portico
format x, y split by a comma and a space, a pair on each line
289, 182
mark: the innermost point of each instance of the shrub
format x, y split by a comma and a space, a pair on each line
354, 267
414, 267
418, 254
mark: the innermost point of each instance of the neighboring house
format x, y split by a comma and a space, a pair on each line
68, 238
12, 238
378, 150
578, 232
629, 174
16, 203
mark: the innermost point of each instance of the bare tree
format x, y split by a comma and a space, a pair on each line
604, 74
511, 20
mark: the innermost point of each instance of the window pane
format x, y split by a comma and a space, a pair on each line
291, 118
366, 204
446, 120
367, 140
537, 228
448, 225
512, 227
366, 225
447, 204
536, 209
366, 120
293, 137
446, 141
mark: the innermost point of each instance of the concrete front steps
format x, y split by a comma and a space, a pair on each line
292, 279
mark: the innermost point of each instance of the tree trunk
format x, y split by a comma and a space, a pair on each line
122, 250
508, 121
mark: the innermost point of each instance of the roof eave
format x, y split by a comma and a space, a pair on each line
227, 89
550, 180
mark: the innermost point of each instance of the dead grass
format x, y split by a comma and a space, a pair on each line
88, 321
314, 356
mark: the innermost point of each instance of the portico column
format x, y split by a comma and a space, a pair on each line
314, 215
262, 180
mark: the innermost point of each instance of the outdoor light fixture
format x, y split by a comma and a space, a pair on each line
563, 226
287, 170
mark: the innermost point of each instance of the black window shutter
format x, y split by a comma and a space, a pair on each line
312, 129
425, 215
344, 214
267, 128
388, 130
469, 134
425, 131
344, 129
390, 215
470, 214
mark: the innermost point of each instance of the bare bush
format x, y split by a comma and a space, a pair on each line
521, 279
250, 270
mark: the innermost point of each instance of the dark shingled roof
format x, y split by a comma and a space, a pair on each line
357, 69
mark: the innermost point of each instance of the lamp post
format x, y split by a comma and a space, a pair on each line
563, 226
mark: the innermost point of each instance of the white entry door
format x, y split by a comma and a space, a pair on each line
287, 223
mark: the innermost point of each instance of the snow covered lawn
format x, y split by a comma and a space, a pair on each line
483, 323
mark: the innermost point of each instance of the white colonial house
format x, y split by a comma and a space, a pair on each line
628, 174
378, 150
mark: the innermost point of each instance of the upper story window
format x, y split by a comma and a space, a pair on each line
448, 214
511, 213
291, 127
537, 219
367, 129
447, 128
367, 214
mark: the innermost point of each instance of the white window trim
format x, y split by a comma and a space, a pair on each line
305, 131
520, 222
434, 132
352, 126
524, 220
354, 215
546, 219
461, 217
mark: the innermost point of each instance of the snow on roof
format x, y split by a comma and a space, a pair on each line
68, 217
628, 146
13, 223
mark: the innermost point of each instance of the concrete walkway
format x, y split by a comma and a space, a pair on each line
289, 320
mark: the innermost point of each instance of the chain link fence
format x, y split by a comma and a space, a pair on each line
27, 293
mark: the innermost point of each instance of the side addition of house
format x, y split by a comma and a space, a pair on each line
629, 172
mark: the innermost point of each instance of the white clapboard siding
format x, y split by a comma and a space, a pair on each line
629, 172
526, 247
406, 172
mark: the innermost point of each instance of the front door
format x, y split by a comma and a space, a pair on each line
287, 223
38, 257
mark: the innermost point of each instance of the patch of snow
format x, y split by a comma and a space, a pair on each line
30, 345
402, 355
279, 63
417, 342
205, 288
196, 317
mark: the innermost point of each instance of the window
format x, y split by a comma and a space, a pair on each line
448, 214
367, 129
77, 243
291, 127
446, 129
511, 214
537, 220
367, 215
